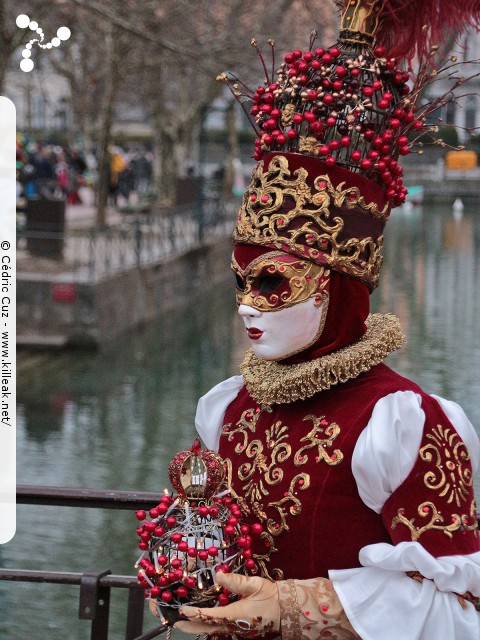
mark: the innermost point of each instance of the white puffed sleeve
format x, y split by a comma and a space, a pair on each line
380, 600
211, 410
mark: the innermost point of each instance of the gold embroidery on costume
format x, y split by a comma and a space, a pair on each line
267, 217
436, 522
248, 422
314, 439
449, 454
271, 382
262, 469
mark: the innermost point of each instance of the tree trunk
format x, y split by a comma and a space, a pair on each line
111, 87
165, 170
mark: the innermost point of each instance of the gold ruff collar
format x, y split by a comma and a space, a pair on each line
270, 382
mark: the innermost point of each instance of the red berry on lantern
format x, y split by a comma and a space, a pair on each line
382, 104
155, 592
223, 599
189, 582
245, 529
379, 51
176, 538
327, 58
167, 596
366, 164
404, 151
140, 515
334, 145
250, 564
337, 85
242, 542
328, 98
159, 531
297, 53
162, 508
177, 575
203, 554
145, 536
324, 150
213, 552
334, 52
309, 116
395, 123
171, 521
182, 592
281, 139
288, 58
341, 72
162, 560
257, 528
319, 52
143, 546
176, 563
229, 530
292, 134
154, 513
367, 91
356, 155
308, 56
331, 121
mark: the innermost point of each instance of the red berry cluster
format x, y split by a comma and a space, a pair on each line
350, 109
185, 544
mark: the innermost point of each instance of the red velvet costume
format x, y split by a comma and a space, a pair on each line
292, 464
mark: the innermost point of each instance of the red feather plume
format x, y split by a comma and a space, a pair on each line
411, 27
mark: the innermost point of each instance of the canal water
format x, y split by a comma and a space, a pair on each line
114, 419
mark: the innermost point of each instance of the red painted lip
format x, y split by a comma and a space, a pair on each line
254, 333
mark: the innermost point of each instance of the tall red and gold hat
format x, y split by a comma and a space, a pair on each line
331, 126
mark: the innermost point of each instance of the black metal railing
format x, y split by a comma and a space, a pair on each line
95, 585
141, 239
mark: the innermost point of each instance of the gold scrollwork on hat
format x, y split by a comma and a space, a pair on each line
280, 209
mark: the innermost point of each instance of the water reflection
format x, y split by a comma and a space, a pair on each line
114, 419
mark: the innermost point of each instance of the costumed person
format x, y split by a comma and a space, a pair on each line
361, 481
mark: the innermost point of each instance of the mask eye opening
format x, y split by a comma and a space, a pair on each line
269, 283
239, 282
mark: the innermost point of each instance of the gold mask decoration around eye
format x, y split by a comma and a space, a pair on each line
277, 280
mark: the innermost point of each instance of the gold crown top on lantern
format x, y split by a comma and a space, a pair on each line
340, 117
192, 536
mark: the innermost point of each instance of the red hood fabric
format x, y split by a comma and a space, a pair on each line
348, 308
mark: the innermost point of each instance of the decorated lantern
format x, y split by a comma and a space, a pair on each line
192, 536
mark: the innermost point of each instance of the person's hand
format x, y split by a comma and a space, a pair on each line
256, 612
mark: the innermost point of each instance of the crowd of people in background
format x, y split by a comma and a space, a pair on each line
53, 171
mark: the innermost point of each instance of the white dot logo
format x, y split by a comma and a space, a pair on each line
24, 22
